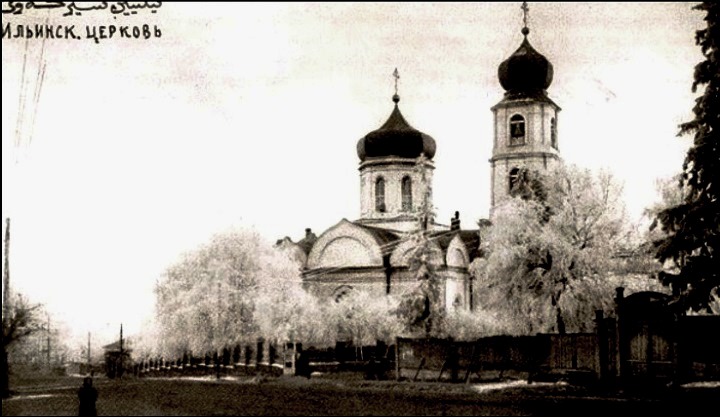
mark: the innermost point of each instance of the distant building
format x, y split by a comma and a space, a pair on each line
118, 358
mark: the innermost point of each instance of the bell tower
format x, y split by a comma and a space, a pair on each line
525, 120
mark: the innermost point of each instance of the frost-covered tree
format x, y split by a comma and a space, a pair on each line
232, 290
284, 310
549, 258
366, 318
423, 308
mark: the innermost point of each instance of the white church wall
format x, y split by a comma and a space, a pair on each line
345, 244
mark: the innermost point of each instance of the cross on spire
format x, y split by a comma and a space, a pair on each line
525, 10
396, 75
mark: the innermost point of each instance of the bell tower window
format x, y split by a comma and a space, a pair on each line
380, 195
553, 133
517, 130
407, 204
513, 179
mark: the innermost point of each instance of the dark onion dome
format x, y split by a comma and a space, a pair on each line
396, 138
526, 72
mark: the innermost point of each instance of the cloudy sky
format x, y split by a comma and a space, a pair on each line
248, 115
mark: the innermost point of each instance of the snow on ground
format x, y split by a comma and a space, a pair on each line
495, 386
702, 384
30, 397
207, 378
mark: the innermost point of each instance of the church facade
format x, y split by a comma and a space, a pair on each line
373, 252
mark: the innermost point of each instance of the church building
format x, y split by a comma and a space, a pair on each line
373, 252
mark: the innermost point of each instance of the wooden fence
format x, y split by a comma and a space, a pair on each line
643, 345
495, 357
248, 359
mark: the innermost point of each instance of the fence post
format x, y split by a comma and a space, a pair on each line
677, 351
454, 359
216, 363
471, 363
248, 355
259, 353
272, 351
237, 352
290, 355
621, 339
397, 358
601, 354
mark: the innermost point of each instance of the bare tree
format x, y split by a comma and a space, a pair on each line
20, 321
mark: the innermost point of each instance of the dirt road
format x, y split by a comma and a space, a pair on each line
298, 396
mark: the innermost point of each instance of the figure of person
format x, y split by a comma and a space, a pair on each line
302, 365
371, 370
87, 394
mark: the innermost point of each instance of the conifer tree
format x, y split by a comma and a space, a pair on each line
692, 227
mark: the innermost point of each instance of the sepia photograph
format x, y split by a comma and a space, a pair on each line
360, 208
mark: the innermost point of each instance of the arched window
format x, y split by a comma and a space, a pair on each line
513, 178
407, 204
553, 133
380, 195
517, 130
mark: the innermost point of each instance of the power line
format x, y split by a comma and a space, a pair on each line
40, 80
21, 104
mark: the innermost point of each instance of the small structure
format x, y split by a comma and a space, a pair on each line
117, 358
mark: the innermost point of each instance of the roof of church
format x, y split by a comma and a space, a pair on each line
530, 97
382, 237
384, 243
526, 73
396, 138
470, 238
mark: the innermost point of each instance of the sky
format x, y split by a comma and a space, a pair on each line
248, 115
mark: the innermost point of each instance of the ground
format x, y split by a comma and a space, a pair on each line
324, 396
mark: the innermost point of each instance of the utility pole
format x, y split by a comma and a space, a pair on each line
6, 272
217, 328
48, 339
120, 365
89, 360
